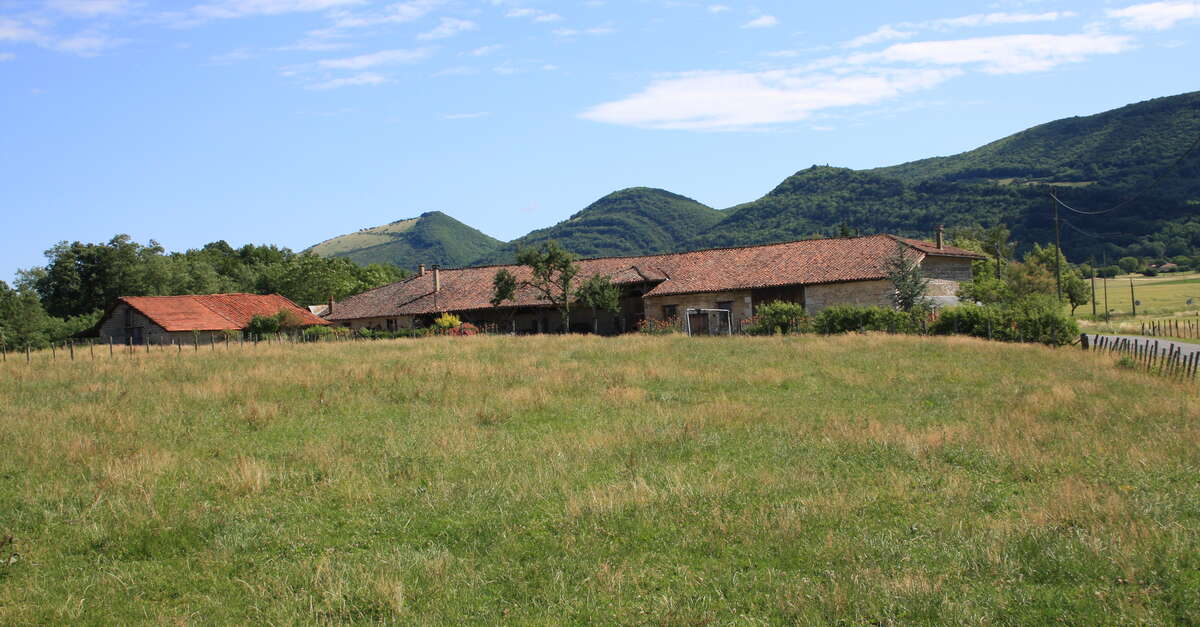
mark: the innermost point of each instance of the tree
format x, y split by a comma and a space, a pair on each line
599, 293
1129, 264
907, 279
553, 269
23, 322
504, 288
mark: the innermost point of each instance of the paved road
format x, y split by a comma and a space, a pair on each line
1185, 348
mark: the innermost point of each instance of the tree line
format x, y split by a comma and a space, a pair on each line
69, 293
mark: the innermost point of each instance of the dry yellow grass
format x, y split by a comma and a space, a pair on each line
636, 479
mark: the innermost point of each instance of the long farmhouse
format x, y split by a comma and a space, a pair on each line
190, 318
817, 273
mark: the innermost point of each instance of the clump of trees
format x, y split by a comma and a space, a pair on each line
67, 295
553, 271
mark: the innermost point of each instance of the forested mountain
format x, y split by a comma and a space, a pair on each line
432, 238
634, 221
1092, 162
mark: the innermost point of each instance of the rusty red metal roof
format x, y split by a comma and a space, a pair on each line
805, 262
215, 312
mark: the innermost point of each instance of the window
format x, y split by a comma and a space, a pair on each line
391, 324
727, 305
128, 317
670, 311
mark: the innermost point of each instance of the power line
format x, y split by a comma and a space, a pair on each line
1139, 195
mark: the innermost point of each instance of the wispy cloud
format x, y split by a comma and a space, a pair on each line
228, 9
465, 116
7, 56
374, 59
717, 8
536, 15
358, 80
394, 13
907, 30
1155, 15
763, 21
741, 100
448, 27
89, 8
484, 51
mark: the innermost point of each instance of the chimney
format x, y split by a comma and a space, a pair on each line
329, 311
437, 280
941, 236
421, 270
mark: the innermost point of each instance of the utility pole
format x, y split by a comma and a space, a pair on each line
1105, 300
1057, 246
1132, 299
1093, 288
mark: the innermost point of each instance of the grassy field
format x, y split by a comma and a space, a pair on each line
1160, 295
551, 480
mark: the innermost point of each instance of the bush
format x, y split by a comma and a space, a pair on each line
1027, 321
1108, 272
778, 317
447, 321
859, 318
319, 333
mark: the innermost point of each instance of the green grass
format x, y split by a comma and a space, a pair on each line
1161, 295
548, 480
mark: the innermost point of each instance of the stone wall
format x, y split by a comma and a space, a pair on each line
947, 268
120, 324
877, 293
742, 304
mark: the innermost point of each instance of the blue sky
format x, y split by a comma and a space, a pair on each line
291, 121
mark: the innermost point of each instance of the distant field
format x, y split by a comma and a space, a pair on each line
663, 480
1164, 294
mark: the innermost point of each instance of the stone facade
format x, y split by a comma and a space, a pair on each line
741, 304
947, 268
872, 293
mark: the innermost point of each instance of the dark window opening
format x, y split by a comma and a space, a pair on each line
670, 311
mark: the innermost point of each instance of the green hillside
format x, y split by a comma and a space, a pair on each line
1095, 162
433, 238
634, 221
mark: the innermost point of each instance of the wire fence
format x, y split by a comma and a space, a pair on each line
1153, 356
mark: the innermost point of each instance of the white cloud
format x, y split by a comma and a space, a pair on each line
484, 51
994, 19
375, 59
1008, 54
395, 13
536, 14
765, 21
717, 8
7, 56
89, 8
231, 57
227, 9
881, 34
364, 78
906, 30
448, 27
739, 100
12, 30
465, 116
1155, 15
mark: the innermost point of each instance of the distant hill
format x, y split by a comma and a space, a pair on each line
634, 221
1094, 162
432, 238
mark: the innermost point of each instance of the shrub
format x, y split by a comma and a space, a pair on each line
1108, 272
1026, 321
447, 321
778, 317
859, 318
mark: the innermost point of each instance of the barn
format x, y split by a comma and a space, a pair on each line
191, 318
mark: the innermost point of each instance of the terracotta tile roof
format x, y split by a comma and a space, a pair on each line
215, 312
805, 262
